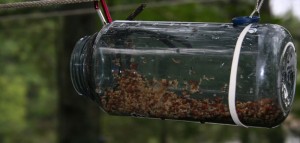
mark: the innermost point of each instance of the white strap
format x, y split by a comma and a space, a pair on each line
233, 75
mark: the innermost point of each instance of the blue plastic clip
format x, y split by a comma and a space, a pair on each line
245, 20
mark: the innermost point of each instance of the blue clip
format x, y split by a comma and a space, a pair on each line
245, 20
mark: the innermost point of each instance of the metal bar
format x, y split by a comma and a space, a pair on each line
106, 11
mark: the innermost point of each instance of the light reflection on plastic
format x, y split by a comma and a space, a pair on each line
262, 72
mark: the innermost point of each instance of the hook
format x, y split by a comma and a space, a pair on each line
257, 8
106, 11
100, 14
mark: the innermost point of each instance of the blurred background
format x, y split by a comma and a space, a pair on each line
39, 105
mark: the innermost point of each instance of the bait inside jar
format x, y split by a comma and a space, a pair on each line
182, 71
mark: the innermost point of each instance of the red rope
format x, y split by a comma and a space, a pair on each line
106, 11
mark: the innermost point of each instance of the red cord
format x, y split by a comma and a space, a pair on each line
106, 11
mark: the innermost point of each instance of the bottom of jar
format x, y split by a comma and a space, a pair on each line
135, 96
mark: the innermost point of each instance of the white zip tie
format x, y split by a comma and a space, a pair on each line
233, 75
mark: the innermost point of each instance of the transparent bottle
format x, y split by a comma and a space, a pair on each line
181, 71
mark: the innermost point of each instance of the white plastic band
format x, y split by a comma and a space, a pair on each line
233, 75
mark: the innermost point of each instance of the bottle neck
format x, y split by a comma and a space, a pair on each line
80, 65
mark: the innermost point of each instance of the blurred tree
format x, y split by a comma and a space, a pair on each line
78, 117
12, 102
25, 63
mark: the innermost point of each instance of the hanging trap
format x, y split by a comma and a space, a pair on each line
240, 73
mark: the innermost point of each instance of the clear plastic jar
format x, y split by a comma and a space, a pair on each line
182, 71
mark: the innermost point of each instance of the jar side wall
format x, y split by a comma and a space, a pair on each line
162, 72
179, 71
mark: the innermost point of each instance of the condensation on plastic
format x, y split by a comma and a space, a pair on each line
181, 71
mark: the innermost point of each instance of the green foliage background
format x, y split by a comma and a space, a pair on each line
28, 92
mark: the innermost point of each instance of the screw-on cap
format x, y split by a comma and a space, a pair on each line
245, 20
77, 66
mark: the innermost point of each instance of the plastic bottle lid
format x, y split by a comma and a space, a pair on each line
245, 20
